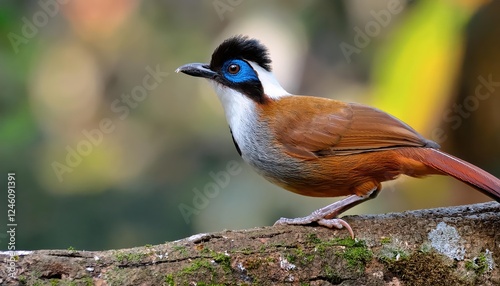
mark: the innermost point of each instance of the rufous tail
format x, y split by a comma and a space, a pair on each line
457, 168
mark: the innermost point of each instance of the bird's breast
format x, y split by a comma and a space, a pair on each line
259, 149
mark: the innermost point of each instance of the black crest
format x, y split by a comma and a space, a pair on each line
241, 47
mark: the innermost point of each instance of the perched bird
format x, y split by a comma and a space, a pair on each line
316, 146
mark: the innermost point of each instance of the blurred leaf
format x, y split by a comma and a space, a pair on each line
414, 72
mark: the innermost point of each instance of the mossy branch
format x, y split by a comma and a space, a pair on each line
459, 245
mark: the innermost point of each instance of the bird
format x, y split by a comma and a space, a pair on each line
320, 147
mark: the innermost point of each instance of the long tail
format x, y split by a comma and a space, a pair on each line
457, 168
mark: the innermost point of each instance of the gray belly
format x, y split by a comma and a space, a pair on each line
270, 162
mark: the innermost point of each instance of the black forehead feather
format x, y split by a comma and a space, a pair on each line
241, 47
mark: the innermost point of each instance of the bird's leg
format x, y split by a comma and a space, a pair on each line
327, 216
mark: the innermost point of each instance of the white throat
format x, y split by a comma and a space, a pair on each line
241, 111
236, 105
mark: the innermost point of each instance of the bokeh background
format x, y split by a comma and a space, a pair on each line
68, 66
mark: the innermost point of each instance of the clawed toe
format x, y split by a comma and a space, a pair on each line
326, 216
337, 223
330, 223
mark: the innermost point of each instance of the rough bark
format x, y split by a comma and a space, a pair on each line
446, 246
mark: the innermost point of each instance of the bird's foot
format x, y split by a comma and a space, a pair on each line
330, 223
326, 216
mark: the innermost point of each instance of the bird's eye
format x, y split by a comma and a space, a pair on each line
233, 69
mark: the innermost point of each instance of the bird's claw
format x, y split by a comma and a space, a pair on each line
330, 223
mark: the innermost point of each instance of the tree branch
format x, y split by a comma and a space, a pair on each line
452, 246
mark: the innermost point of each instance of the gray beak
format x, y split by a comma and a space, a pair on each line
198, 70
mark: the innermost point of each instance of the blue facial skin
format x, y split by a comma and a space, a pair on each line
245, 74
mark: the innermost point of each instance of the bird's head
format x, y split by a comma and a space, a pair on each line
240, 67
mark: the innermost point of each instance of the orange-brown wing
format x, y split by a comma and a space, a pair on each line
311, 127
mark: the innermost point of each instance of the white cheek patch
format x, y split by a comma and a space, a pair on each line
272, 87
240, 110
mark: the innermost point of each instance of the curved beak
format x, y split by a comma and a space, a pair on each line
198, 70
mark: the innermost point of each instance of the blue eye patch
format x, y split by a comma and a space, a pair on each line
245, 73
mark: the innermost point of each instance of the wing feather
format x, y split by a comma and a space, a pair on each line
311, 127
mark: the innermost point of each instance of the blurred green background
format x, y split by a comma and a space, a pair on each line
71, 68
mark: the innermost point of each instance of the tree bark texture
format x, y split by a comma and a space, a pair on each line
445, 246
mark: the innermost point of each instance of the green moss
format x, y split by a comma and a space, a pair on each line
313, 238
290, 257
195, 266
357, 256
22, 279
54, 282
87, 281
483, 263
169, 280
299, 256
271, 259
385, 240
180, 248
479, 265
347, 242
248, 250
332, 276
425, 247
409, 270
253, 263
470, 265
129, 257
222, 259
204, 266
355, 252
389, 254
